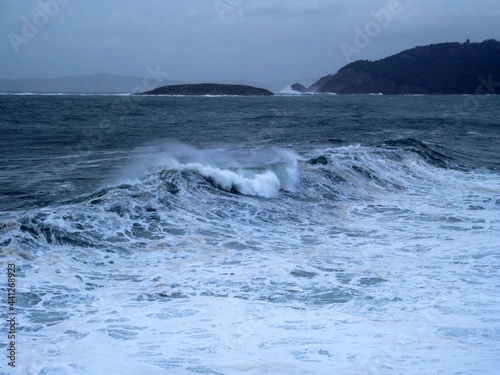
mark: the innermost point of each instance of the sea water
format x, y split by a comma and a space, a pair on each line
231, 235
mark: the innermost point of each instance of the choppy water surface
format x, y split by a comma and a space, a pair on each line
285, 235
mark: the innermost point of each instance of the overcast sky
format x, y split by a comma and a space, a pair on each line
222, 40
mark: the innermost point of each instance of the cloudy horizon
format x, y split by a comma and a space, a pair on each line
224, 40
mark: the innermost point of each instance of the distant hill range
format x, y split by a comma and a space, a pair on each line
447, 68
209, 89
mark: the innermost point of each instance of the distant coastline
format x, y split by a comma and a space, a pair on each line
437, 69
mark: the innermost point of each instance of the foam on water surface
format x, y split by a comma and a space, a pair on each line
352, 260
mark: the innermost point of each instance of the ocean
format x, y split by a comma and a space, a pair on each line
314, 234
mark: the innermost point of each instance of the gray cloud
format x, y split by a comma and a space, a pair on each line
218, 40
120, 25
301, 9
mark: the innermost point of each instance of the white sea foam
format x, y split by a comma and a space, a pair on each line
264, 184
289, 91
263, 173
378, 263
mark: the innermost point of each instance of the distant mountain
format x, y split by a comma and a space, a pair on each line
447, 68
209, 89
94, 83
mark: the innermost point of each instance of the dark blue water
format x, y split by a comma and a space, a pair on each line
51, 141
227, 235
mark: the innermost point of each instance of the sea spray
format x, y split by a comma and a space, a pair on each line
377, 255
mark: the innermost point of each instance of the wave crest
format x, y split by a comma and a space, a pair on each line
248, 182
260, 173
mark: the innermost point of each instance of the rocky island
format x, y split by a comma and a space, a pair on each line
299, 88
447, 68
209, 89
